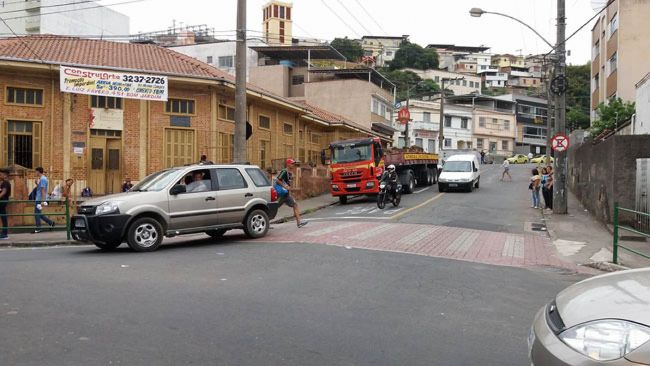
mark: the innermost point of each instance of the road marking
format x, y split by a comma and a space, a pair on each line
422, 190
331, 229
370, 233
417, 235
462, 243
347, 218
514, 246
418, 206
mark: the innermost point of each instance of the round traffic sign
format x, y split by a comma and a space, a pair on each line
560, 142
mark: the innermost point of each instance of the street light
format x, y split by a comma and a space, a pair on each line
477, 12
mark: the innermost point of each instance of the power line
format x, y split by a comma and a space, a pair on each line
353, 16
341, 19
71, 10
371, 17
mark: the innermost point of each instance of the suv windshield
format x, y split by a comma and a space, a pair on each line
457, 166
351, 153
156, 181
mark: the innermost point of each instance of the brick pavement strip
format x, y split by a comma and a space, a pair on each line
435, 241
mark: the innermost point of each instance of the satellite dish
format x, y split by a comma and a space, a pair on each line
598, 5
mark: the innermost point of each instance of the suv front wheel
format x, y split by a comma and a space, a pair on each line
256, 224
145, 235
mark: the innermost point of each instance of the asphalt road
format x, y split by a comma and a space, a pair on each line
496, 206
206, 303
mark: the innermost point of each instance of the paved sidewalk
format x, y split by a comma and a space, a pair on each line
582, 239
53, 238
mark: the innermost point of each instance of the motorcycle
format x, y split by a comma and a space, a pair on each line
384, 188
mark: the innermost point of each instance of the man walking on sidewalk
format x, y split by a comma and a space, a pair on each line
41, 200
284, 180
5, 193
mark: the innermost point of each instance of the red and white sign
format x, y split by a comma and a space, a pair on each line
403, 116
560, 142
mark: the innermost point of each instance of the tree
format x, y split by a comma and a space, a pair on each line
414, 56
578, 96
405, 80
611, 115
349, 48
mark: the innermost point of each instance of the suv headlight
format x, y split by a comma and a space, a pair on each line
606, 340
107, 207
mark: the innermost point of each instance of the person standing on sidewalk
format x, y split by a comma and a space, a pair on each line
5, 193
535, 183
41, 200
284, 180
548, 188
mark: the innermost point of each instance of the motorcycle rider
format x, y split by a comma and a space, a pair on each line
390, 177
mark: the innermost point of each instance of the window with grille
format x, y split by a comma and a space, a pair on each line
447, 121
426, 117
23, 144
24, 96
447, 142
464, 122
315, 138
226, 61
297, 79
481, 121
265, 153
226, 147
264, 122
505, 145
226, 113
506, 124
479, 143
180, 106
97, 101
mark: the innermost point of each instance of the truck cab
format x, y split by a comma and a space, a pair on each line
354, 166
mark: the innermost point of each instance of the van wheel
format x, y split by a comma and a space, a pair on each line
441, 187
343, 200
256, 224
470, 187
107, 246
145, 235
478, 181
216, 233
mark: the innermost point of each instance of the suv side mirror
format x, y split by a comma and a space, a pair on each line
178, 189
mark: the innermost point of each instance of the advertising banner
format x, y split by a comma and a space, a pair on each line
113, 84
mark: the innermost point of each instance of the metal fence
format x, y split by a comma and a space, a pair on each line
618, 226
20, 228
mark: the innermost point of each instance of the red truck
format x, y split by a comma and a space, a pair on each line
355, 165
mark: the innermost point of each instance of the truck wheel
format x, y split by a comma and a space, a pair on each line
145, 235
343, 200
107, 246
478, 181
430, 178
410, 182
434, 173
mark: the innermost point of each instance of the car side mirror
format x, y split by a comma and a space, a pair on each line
178, 189
475, 169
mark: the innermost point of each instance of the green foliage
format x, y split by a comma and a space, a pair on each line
349, 48
414, 56
611, 114
577, 96
405, 80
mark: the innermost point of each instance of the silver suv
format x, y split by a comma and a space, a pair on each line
176, 201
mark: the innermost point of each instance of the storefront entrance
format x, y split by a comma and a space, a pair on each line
105, 161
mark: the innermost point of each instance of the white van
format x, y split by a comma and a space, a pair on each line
460, 172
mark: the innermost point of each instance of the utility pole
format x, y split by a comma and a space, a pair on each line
240, 86
441, 136
407, 140
560, 174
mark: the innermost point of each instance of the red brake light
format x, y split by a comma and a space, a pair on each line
274, 195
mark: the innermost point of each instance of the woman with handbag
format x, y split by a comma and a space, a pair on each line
534, 186
282, 186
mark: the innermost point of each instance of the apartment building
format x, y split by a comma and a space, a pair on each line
317, 75
221, 54
494, 127
382, 48
63, 17
641, 121
277, 24
620, 50
467, 83
465, 59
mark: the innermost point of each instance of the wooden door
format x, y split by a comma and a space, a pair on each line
97, 181
113, 166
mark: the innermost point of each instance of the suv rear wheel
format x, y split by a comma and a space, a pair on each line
256, 224
145, 235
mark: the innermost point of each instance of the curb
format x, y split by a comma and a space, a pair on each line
40, 244
606, 266
284, 219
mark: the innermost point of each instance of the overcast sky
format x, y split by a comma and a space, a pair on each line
426, 21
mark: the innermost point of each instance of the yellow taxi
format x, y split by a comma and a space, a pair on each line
518, 159
541, 159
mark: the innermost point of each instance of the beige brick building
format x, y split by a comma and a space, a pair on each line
67, 134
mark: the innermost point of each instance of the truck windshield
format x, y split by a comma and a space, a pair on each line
156, 181
351, 153
457, 166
